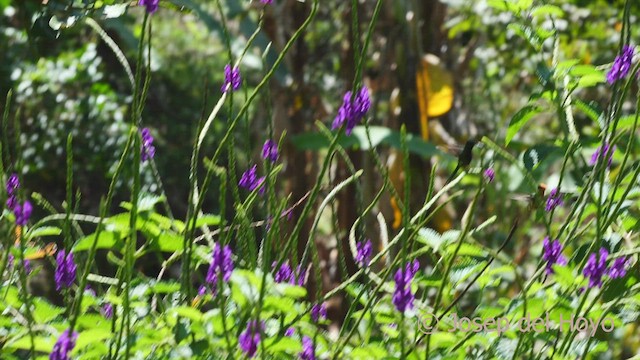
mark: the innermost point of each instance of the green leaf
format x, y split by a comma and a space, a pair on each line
283, 344
146, 202
94, 321
169, 242
89, 337
292, 291
564, 276
41, 343
208, 219
625, 122
43, 231
107, 240
590, 80
165, 287
527, 33
519, 120
500, 5
546, 10
187, 312
369, 351
279, 304
44, 312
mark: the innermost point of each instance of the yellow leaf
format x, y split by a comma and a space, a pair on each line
434, 90
440, 87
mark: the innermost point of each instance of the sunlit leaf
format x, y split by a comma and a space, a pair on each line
519, 120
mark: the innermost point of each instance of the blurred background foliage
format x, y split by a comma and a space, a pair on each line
66, 79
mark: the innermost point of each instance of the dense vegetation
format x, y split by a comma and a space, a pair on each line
284, 179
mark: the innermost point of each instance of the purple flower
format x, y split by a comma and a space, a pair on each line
266, 2
554, 200
283, 274
232, 78
12, 184
363, 254
12, 203
352, 112
596, 267
318, 311
402, 296
621, 65
251, 181
250, 338
270, 150
148, 150
65, 270
22, 213
290, 331
151, 5
552, 254
489, 174
602, 151
63, 346
619, 267
221, 263
107, 310
286, 275
308, 351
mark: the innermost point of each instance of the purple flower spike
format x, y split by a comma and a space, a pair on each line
250, 338
250, 180
270, 150
595, 268
232, 79
489, 174
308, 351
402, 296
363, 254
602, 151
290, 331
151, 5
266, 2
12, 184
352, 113
621, 65
552, 254
63, 346
148, 150
286, 275
221, 263
65, 270
23, 213
619, 268
554, 200
107, 310
318, 311
283, 274
12, 187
